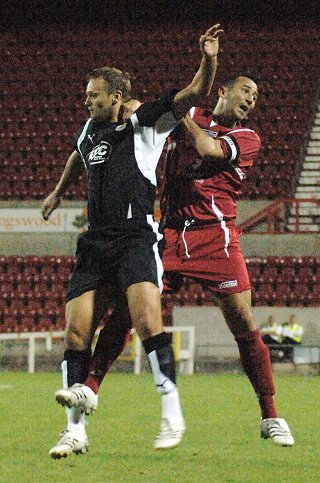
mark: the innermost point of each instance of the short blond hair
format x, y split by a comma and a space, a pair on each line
116, 79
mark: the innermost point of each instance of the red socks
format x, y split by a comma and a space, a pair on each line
255, 359
111, 342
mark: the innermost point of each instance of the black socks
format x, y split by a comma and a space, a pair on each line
161, 344
77, 365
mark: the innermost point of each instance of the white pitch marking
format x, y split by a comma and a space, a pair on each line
5, 387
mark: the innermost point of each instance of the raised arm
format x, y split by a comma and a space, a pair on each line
71, 173
201, 84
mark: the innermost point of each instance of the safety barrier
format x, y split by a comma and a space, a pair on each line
184, 352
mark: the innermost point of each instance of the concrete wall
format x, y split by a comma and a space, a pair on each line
247, 208
211, 329
35, 244
252, 245
65, 244
281, 245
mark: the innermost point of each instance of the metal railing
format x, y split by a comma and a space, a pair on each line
283, 216
184, 352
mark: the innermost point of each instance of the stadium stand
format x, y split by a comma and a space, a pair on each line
37, 133
36, 302
42, 108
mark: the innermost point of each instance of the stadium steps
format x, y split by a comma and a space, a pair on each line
309, 182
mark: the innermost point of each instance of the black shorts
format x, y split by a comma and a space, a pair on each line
120, 258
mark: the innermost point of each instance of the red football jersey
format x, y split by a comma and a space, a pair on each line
206, 191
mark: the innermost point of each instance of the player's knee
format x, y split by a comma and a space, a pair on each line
243, 312
148, 323
144, 329
241, 321
76, 340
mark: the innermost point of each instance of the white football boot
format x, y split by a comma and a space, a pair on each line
78, 396
70, 442
170, 435
278, 430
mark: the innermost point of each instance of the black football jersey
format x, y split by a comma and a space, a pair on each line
121, 161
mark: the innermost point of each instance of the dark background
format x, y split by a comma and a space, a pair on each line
19, 14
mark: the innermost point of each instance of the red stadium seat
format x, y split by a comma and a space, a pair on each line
45, 322
287, 273
9, 324
304, 275
300, 295
270, 274
60, 323
255, 273
264, 295
282, 294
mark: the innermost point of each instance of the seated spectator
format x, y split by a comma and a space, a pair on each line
292, 333
271, 332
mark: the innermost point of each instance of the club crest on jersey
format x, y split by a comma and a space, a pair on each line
100, 153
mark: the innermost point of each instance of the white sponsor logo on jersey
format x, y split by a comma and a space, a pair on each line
213, 134
100, 153
231, 283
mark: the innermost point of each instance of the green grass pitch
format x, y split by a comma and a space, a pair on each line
222, 443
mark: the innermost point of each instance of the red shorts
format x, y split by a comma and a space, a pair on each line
211, 254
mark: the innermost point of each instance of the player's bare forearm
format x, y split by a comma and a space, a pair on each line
71, 173
207, 147
198, 90
202, 82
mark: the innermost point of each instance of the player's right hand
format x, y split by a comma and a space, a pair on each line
129, 108
50, 204
209, 42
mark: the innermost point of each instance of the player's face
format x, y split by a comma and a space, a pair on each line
241, 98
98, 101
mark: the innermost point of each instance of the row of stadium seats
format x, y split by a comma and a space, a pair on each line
31, 182
52, 264
33, 289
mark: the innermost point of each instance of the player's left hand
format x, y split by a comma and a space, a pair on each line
129, 108
209, 42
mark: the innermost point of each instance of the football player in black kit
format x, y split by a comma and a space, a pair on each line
117, 259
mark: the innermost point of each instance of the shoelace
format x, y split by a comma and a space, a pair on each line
166, 429
277, 430
67, 439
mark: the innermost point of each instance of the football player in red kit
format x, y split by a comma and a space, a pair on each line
206, 164
207, 161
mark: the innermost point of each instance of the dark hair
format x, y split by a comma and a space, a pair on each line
230, 81
116, 80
